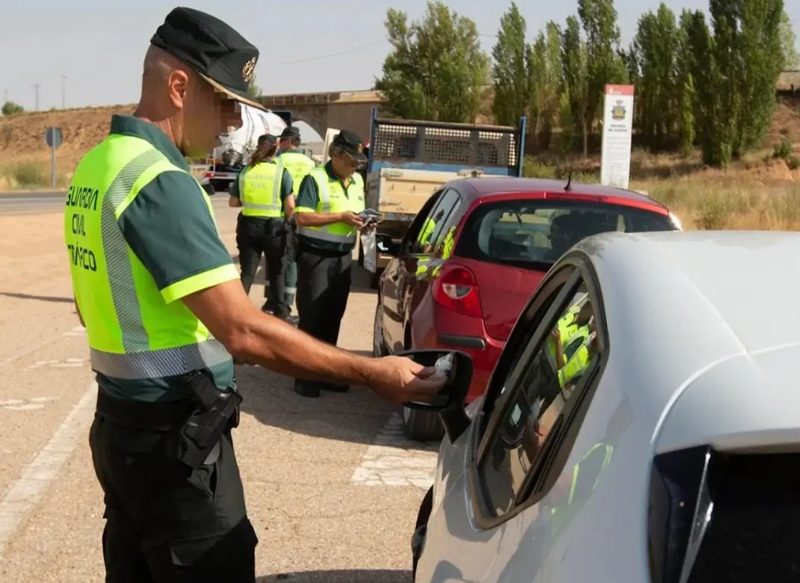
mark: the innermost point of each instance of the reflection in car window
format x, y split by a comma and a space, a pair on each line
431, 230
412, 235
530, 233
533, 404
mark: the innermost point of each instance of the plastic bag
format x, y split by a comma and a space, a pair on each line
369, 247
443, 366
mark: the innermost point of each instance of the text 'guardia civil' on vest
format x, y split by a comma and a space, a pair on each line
84, 197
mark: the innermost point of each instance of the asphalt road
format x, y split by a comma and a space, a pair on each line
19, 203
332, 487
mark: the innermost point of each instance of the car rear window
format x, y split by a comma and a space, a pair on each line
535, 233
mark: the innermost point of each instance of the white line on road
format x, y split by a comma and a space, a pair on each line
24, 494
77, 331
27, 351
393, 460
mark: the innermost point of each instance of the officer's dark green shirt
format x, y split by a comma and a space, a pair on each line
308, 197
286, 186
169, 228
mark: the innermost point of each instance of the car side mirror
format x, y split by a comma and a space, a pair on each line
449, 402
386, 245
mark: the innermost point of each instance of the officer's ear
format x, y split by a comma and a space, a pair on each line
178, 85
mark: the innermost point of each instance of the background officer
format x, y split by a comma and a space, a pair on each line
165, 311
328, 204
264, 191
298, 166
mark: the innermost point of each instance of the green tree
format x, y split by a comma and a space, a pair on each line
657, 47
697, 61
791, 60
509, 72
687, 132
10, 108
436, 68
545, 81
748, 59
599, 19
687, 95
575, 62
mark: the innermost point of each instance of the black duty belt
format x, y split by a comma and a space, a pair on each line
143, 415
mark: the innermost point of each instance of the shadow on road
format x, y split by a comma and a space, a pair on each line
355, 416
36, 298
347, 576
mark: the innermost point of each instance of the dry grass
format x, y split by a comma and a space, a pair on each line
759, 192
733, 200
30, 174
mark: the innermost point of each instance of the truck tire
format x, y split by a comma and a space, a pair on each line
422, 425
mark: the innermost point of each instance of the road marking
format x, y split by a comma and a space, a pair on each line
27, 351
394, 460
76, 331
66, 363
24, 494
29, 405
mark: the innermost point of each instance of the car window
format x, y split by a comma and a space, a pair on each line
534, 233
530, 410
432, 228
410, 239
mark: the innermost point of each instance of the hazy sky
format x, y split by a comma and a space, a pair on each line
306, 45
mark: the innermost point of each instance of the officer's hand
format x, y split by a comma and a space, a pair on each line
352, 219
400, 379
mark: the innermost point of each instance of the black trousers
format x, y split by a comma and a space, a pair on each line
166, 522
254, 237
323, 285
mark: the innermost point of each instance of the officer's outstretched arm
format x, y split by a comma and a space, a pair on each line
255, 337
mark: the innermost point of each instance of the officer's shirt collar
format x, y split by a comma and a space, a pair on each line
332, 176
128, 125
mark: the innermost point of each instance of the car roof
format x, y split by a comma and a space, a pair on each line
685, 310
488, 186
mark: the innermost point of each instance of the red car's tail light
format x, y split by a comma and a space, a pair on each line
457, 289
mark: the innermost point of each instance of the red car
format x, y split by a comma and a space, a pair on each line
474, 255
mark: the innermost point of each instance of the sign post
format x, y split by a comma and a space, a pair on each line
617, 136
53, 137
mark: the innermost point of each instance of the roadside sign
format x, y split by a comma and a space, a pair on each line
53, 137
617, 136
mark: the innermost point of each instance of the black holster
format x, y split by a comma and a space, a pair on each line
213, 413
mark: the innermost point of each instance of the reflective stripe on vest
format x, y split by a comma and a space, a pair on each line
133, 332
298, 166
160, 363
332, 199
260, 187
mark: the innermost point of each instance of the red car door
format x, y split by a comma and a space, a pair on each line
395, 276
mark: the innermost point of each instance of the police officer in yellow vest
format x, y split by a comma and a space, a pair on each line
164, 312
298, 165
264, 192
328, 204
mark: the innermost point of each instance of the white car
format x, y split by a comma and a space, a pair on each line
641, 425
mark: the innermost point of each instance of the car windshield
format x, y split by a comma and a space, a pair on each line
535, 233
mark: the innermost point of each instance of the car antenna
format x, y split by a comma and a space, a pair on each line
568, 187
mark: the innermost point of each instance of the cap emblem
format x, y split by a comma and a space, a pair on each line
249, 69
